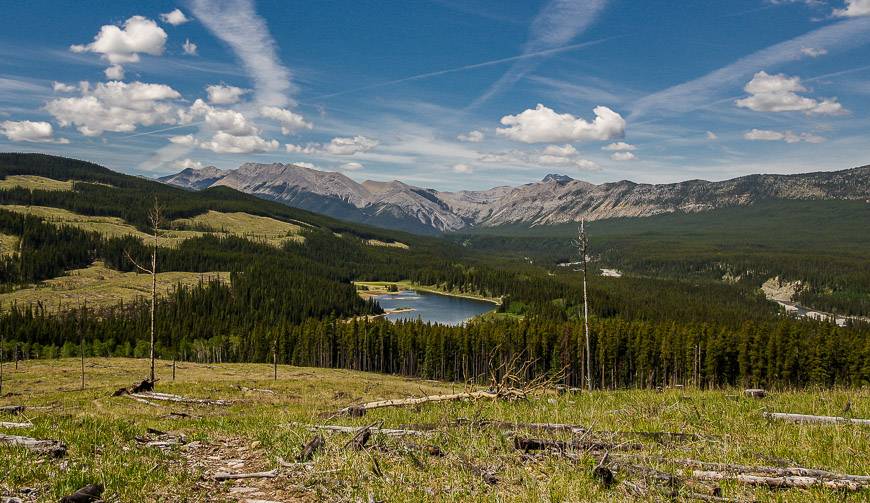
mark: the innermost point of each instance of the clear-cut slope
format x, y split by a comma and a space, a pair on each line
555, 199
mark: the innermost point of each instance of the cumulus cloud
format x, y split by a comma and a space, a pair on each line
712, 136
786, 136
225, 143
351, 166
116, 106
854, 8
563, 151
305, 165
123, 44
188, 163
189, 47
623, 156
37, 132
336, 146
543, 125
290, 121
471, 137
174, 18
462, 168
60, 87
186, 139
553, 155
220, 94
778, 93
619, 146
814, 52
115, 72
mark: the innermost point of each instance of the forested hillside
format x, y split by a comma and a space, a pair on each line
297, 299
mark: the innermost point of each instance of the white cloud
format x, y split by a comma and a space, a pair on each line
786, 136
116, 106
187, 139
305, 165
220, 94
778, 93
225, 120
119, 45
225, 143
623, 156
60, 87
712, 136
814, 52
174, 18
550, 156
351, 166
37, 132
566, 150
545, 125
336, 146
238, 25
854, 8
189, 47
619, 147
115, 72
290, 121
462, 168
471, 137
188, 163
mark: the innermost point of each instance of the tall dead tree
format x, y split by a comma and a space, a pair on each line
155, 219
583, 245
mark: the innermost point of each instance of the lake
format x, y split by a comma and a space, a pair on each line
433, 307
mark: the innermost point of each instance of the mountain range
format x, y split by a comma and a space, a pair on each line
555, 199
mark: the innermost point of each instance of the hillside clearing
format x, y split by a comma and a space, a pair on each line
109, 440
254, 228
392, 244
368, 289
98, 286
8, 244
33, 182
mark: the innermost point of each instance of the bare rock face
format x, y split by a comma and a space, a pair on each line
555, 199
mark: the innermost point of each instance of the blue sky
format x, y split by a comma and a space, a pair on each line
449, 94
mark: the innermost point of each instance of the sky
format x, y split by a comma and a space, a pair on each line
447, 94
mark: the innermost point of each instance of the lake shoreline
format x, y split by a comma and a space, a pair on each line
378, 288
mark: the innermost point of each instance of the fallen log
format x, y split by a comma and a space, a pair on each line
90, 493
53, 448
142, 400
361, 437
309, 449
16, 425
526, 444
779, 482
12, 409
166, 397
806, 418
256, 390
755, 393
384, 431
361, 409
271, 474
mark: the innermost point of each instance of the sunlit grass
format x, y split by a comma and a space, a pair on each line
33, 182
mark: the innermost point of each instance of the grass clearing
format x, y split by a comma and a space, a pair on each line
255, 228
8, 244
33, 182
392, 244
99, 286
261, 427
368, 289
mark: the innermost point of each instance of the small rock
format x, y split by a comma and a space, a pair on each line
255, 444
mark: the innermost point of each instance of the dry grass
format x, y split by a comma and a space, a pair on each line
260, 428
255, 228
34, 182
8, 244
392, 244
99, 286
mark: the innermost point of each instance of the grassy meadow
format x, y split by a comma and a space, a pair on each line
268, 420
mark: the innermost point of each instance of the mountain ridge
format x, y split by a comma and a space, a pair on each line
553, 200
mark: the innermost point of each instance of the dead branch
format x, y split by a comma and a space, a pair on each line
779, 482
271, 474
361, 409
16, 425
90, 493
12, 409
179, 399
527, 444
361, 437
142, 400
384, 431
309, 449
805, 418
53, 448
755, 393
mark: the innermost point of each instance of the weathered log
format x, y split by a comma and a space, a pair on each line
12, 409
88, 494
53, 448
16, 425
779, 482
166, 397
527, 444
361, 437
806, 418
755, 393
602, 473
361, 409
309, 449
384, 431
142, 400
271, 474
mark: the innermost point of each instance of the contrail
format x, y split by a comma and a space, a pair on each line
165, 129
421, 76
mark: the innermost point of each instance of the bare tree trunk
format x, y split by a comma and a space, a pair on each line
153, 297
584, 243
2, 345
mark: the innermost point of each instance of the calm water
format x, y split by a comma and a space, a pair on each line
432, 307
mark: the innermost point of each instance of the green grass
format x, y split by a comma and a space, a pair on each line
259, 428
258, 229
98, 286
33, 182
